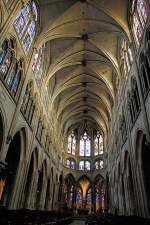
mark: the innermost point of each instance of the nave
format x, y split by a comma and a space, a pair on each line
74, 111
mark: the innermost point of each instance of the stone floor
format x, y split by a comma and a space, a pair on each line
78, 222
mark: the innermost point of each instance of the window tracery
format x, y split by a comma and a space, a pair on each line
84, 165
28, 105
72, 143
99, 164
37, 65
98, 144
79, 198
139, 14
85, 145
88, 199
70, 163
6, 59
127, 56
14, 78
25, 24
11, 70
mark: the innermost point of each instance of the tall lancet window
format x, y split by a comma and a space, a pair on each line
88, 199
26, 23
37, 65
72, 143
79, 198
98, 144
126, 54
85, 145
138, 19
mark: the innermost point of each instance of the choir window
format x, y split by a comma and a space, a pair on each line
98, 143
99, 164
72, 143
84, 165
70, 163
85, 145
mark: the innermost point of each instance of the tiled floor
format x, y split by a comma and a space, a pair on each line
78, 222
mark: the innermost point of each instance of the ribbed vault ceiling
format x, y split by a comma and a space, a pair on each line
83, 39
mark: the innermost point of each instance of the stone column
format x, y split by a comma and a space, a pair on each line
130, 197
43, 194
33, 192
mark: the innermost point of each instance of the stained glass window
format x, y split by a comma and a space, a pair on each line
71, 163
142, 11
25, 24
99, 164
6, 58
37, 64
84, 165
81, 165
98, 199
139, 18
87, 165
98, 144
69, 194
126, 53
15, 83
22, 20
88, 199
85, 145
72, 143
137, 29
70, 197
13, 75
79, 198
3, 51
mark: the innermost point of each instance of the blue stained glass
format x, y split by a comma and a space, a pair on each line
12, 77
3, 51
31, 29
79, 196
20, 24
89, 197
22, 20
98, 197
2, 55
15, 85
34, 11
26, 41
26, 29
6, 63
29, 35
25, 12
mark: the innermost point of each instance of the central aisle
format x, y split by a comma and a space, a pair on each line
78, 222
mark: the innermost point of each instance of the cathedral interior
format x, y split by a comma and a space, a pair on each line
75, 108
